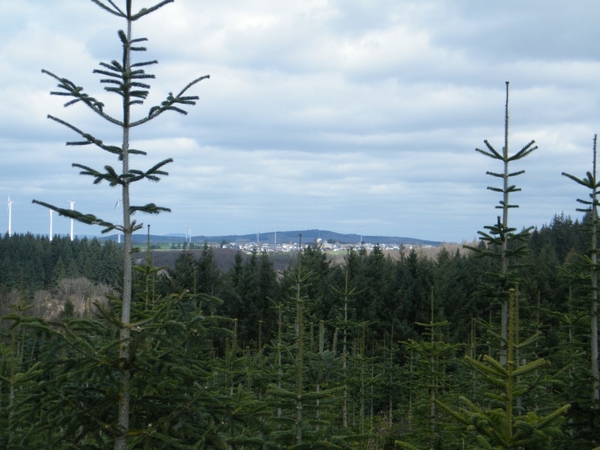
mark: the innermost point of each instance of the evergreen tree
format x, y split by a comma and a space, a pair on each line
501, 423
430, 381
19, 373
563, 234
457, 281
589, 264
208, 274
183, 276
127, 79
253, 298
503, 242
301, 410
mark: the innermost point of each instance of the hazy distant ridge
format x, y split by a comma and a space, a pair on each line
308, 236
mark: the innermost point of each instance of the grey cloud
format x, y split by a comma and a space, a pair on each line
341, 114
519, 30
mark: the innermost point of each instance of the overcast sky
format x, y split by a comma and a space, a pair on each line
355, 116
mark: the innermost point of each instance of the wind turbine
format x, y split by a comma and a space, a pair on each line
71, 202
10, 202
50, 234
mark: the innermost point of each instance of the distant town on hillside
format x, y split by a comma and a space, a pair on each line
281, 240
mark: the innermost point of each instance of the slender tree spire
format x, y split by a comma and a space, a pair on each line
505, 204
503, 242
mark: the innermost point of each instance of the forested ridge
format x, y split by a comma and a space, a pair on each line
379, 336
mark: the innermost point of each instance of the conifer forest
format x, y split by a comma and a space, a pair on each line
493, 346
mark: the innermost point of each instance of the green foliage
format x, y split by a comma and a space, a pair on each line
500, 424
586, 265
170, 361
250, 294
429, 381
360, 386
564, 235
34, 262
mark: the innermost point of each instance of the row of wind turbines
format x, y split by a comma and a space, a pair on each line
50, 234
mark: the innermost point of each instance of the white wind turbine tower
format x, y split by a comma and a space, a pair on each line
50, 234
10, 202
71, 202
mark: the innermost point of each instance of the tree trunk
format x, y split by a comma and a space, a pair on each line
125, 374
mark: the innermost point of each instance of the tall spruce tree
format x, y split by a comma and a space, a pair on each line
589, 264
503, 242
127, 79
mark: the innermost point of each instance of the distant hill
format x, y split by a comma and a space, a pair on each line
308, 236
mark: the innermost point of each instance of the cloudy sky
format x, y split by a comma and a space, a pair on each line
356, 116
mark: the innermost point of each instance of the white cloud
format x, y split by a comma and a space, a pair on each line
334, 114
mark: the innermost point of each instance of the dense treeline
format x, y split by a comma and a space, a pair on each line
323, 354
393, 291
31, 262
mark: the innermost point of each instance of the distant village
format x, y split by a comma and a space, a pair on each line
247, 246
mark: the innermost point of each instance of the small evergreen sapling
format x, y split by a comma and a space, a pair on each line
431, 380
503, 425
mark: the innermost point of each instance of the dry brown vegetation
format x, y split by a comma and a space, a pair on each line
80, 292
